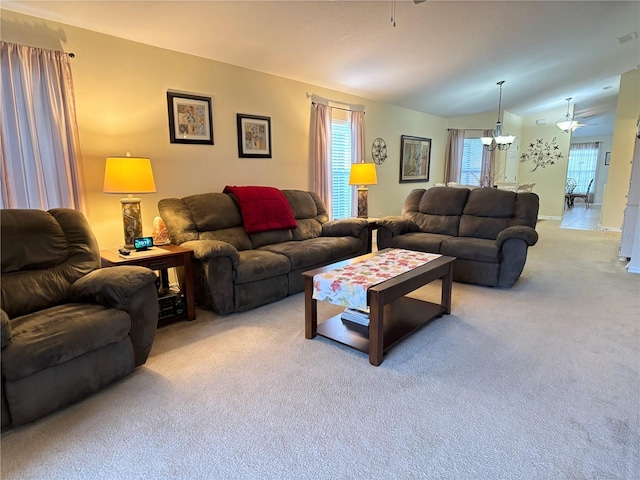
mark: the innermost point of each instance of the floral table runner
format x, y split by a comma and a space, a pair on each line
347, 286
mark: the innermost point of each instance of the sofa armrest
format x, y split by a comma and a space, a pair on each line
111, 287
521, 232
6, 328
346, 227
398, 225
204, 250
129, 288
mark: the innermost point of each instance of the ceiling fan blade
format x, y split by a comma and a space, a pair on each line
419, 1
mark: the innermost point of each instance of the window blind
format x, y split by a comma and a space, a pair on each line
341, 168
471, 168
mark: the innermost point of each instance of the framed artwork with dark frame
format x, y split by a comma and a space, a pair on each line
190, 119
607, 158
254, 136
415, 157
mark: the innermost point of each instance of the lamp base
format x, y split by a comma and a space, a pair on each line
132, 220
363, 202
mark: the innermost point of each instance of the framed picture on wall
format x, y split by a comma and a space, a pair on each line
254, 136
607, 158
415, 156
190, 119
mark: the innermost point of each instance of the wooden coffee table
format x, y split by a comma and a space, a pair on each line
392, 317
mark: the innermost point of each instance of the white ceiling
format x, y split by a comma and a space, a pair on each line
442, 57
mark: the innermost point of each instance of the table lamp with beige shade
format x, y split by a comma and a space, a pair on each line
129, 175
363, 174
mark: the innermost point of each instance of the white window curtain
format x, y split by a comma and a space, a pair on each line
357, 151
323, 183
583, 162
39, 146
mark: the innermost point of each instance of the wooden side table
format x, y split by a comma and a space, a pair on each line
160, 258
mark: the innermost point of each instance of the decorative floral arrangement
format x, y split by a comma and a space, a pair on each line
542, 153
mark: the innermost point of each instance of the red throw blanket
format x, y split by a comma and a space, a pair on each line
263, 208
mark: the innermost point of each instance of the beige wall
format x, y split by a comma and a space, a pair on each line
390, 123
121, 106
617, 187
550, 180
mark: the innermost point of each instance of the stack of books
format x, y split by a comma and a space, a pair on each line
356, 315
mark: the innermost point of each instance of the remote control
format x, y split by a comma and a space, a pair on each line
124, 251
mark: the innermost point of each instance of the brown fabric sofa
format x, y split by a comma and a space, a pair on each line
488, 230
236, 271
69, 328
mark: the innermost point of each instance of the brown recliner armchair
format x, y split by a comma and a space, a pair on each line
69, 328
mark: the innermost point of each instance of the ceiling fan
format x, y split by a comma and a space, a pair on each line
570, 123
578, 125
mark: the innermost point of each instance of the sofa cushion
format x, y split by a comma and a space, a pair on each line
442, 224
302, 204
488, 211
234, 236
266, 238
482, 227
209, 216
213, 211
309, 211
438, 209
315, 251
307, 228
490, 202
424, 242
56, 335
443, 201
260, 264
31, 240
30, 280
478, 249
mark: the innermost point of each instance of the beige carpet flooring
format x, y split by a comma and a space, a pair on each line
540, 381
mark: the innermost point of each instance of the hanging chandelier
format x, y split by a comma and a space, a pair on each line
567, 123
499, 140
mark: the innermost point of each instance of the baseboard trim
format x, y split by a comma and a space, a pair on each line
548, 217
609, 229
633, 269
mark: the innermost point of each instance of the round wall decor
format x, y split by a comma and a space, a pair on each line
379, 151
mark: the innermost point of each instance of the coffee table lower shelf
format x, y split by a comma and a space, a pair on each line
401, 318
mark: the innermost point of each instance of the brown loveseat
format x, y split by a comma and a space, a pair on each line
488, 230
235, 270
69, 328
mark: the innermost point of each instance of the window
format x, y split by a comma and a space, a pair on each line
471, 168
583, 161
341, 167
